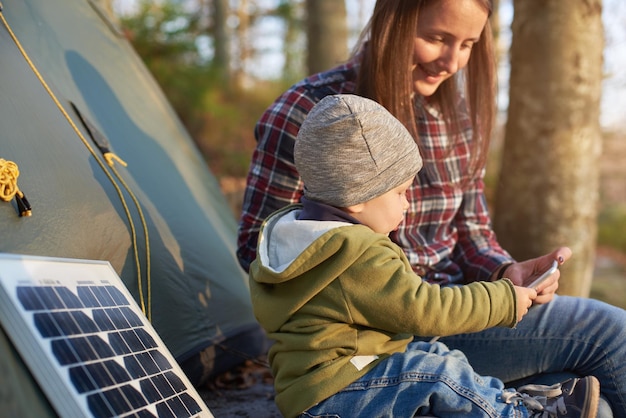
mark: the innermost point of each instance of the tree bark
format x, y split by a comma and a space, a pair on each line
547, 195
221, 36
327, 34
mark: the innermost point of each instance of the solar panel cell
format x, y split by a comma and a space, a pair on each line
164, 387
99, 406
142, 413
150, 391
88, 377
152, 362
182, 405
69, 299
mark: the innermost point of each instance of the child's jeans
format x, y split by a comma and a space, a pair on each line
576, 335
427, 379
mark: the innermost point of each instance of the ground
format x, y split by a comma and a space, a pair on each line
246, 391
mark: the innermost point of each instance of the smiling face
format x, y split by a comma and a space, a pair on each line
447, 30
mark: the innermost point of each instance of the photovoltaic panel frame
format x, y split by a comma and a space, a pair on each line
87, 343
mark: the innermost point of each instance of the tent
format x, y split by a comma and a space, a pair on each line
76, 104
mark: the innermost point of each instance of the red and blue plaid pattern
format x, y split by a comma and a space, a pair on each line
447, 233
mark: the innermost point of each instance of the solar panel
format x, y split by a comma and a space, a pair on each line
87, 343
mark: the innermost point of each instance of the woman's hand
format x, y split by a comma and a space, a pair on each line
523, 273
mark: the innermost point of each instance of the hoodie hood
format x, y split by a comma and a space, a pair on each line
303, 257
283, 238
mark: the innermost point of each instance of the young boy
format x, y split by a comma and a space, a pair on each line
342, 304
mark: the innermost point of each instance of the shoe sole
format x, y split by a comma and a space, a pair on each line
593, 396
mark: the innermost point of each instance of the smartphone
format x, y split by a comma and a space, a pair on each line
544, 275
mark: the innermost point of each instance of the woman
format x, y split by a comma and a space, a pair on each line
431, 64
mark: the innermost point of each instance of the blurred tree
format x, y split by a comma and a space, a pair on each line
495, 26
327, 34
547, 194
290, 12
203, 54
221, 36
164, 35
242, 37
107, 6
212, 35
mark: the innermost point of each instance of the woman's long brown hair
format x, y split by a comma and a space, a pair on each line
385, 75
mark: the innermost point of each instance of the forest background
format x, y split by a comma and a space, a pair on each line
221, 63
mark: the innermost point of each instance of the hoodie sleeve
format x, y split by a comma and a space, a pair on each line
383, 292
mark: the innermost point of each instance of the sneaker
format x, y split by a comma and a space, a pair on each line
576, 397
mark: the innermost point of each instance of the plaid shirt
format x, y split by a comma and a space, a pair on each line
447, 233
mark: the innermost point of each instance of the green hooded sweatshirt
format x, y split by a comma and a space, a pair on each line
337, 298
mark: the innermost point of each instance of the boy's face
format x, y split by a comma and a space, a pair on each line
384, 213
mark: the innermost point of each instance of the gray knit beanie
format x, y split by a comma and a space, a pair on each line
351, 149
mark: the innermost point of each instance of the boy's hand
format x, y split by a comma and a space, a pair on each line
525, 297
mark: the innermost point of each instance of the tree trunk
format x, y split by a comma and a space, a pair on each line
327, 34
221, 60
496, 27
547, 195
244, 46
291, 13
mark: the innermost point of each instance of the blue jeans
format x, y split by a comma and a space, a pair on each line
427, 379
577, 335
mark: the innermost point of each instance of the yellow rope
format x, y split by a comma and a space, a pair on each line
112, 158
110, 162
8, 185
148, 313
8, 180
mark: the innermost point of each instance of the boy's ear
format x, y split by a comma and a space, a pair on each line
355, 208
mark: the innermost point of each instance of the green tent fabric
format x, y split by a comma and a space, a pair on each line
85, 90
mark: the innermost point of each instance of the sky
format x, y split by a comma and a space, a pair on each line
614, 85
613, 105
